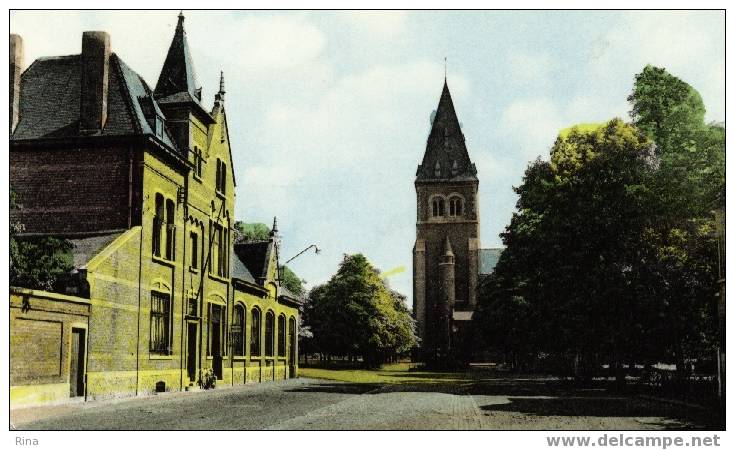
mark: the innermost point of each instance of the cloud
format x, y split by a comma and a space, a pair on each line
534, 69
684, 42
377, 24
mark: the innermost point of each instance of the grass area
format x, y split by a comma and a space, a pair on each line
389, 373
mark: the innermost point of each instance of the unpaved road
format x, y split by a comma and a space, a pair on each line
321, 404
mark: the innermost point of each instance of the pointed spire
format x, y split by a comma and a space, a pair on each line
448, 247
177, 75
445, 146
219, 97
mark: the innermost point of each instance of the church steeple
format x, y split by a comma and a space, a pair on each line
177, 75
446, 154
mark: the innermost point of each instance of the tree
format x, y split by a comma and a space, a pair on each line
355, 313
251, 231
36, 262
689, 187
611, 256
292, 281
561, 285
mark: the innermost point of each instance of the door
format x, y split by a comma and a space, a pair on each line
191, 351
76, 369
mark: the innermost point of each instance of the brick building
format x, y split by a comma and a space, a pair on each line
447, 259
141, 182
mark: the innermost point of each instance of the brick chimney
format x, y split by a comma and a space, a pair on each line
16, 67
95, 76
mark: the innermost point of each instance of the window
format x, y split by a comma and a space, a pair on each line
157, 225
437, 207
292, 340
238, 331
255, 332
221, 176
220, 238
269, 333
170, 230
455, 206
192, 307
194, 240
281, 335
198, 162
215, 343
160, 323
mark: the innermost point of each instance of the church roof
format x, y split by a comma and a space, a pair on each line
177, 82
50, 101
489, 259
446, 156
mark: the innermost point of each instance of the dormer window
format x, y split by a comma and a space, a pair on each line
455, 169
437, 169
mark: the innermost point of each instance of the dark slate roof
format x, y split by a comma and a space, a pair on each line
177, 82
446, 151
241, 272
86, 248
50, 99
284, 292
488, 259
255, 256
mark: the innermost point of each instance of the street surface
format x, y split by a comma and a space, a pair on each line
310, 404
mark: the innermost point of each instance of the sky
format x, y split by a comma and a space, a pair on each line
329, 111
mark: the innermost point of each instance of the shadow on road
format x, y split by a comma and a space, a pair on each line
676, 417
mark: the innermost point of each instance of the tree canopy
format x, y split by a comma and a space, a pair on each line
610, 256
355, 313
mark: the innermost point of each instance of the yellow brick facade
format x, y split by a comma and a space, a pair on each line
161, 300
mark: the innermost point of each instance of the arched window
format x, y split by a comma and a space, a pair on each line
281, 335
270, 322
158, 225
437, 207
292, 340
170, 230
437, 169
238, 331
455, 206
255, 332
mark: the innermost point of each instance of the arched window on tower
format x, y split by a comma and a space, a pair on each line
455, 206
437, 169
437, 207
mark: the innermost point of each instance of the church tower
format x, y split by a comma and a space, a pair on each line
445, 255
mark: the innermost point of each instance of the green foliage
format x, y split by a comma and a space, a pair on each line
355, 313
611, 257
37, 262
292, 281
251, 231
